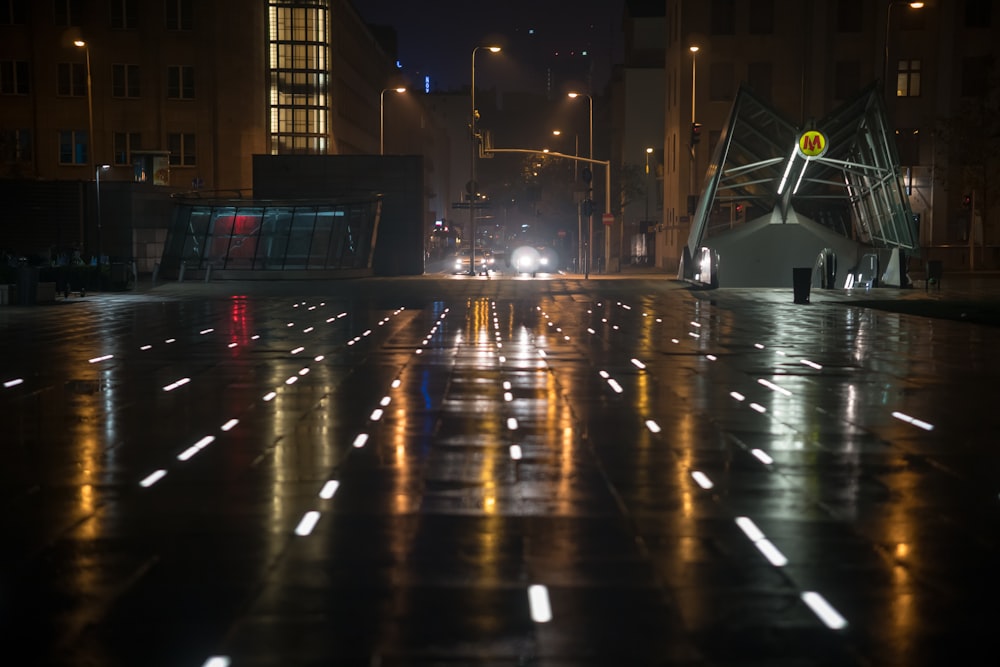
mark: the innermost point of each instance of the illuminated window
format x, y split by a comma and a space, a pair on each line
180, 83
299, 89
124, 144
123, 14
13, 12
68, 12
908, 78
73, 147
180, 15
14, 78
181, 148
125, 80
72, 80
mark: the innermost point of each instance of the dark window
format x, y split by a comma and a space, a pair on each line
72, 79
15, 146
759, 79
720, 84
180, 83
908, 78
123, 14
761, 17
978, 13
13, 12
908, 146
14, 77
723, 19
975, 74
180, 14
847, 79
125, 143
849, 15
125, 80
68, 12
181, 148
72, 147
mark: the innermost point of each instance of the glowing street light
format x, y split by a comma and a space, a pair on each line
381, 116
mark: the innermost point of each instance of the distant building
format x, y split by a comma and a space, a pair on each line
181, 94
806, 59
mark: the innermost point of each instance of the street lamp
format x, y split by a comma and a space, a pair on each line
649, 151
472, 186
97, 189
381, 116
694, 51
79, 43
590, 240
888, 17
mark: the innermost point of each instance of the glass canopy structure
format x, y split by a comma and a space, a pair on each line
237, 237
836, 179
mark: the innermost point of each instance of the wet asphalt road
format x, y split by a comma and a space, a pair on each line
470, 471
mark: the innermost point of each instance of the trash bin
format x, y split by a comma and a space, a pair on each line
27, 285
801, 281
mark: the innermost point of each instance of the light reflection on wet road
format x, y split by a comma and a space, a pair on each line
551, 472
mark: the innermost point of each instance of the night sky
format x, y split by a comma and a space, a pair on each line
436, 38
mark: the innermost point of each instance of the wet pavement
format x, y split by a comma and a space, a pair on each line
456, 470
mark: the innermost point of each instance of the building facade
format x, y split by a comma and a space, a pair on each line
178, 95
808, 58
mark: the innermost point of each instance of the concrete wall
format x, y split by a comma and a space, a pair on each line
399, 179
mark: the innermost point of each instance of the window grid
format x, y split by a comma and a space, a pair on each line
68, 12
180, 83
124, 80
73, 147
13, 12
16, 146
298, 98
72, 80
123, 14
180, 15
124, 144
181, 146
14, 79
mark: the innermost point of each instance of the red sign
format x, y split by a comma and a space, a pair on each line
608, 218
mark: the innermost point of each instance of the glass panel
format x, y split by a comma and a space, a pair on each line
300, 239
245, 232
321, 240
195, 236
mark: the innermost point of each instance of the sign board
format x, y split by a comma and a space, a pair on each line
608, 218
812, 144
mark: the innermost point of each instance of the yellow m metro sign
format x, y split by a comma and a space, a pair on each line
812, 144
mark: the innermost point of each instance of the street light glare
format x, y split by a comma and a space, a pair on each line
917, 5
494, 49
557, 132
573, 95
79, 42
400, 90
649, 150
694, 49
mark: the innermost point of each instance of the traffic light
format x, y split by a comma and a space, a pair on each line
587, 208
695, 133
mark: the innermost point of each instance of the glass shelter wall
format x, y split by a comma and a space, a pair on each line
271, 236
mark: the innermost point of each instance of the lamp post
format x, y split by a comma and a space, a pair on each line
888, 17
649, 151
79, 43
381, 116
472, 186
694, 52
97, 178
590, 236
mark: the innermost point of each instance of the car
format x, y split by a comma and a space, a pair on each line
484, 261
